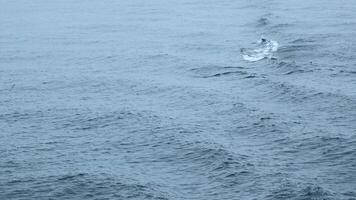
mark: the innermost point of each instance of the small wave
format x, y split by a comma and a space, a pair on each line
288, 68
347, 72
302, 41
251, 76
289, 190
226, 73
315, 192
282, 26
262, 22
265, 49
69, 177
82, 186
300, 48
218, 71
220, 165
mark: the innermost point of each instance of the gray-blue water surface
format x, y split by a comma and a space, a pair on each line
152, 100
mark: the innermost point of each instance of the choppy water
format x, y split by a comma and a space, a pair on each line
153, 100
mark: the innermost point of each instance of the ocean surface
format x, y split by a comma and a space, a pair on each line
138, 99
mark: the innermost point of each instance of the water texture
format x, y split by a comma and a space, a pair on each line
152, 99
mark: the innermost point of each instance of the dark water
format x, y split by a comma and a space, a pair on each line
152, 100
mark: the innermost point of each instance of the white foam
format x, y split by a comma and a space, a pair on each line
265, 49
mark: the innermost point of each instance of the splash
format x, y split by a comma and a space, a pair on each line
264, 49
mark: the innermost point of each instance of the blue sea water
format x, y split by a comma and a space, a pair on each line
152, 99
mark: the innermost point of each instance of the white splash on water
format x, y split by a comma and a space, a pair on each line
264, 49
